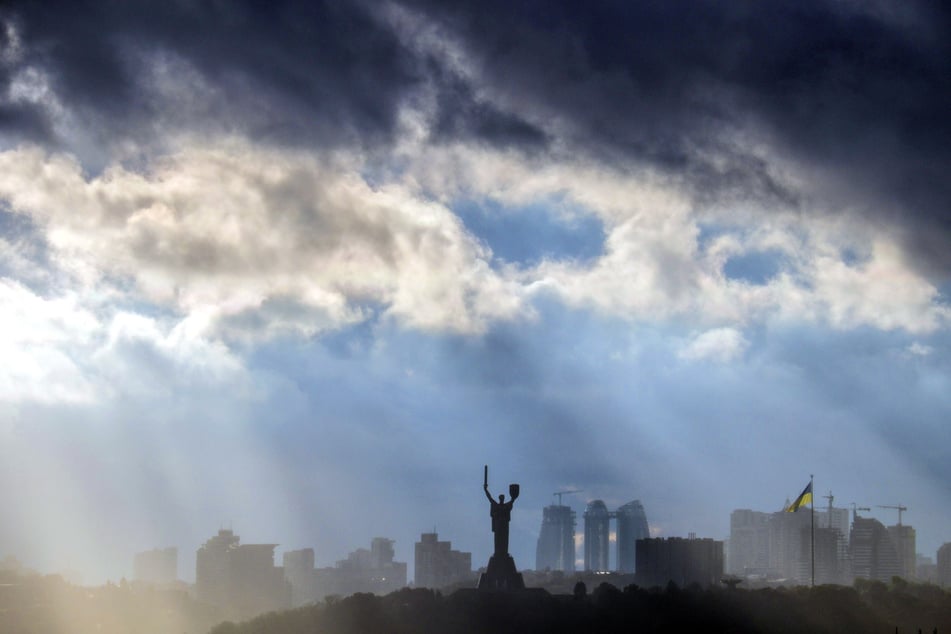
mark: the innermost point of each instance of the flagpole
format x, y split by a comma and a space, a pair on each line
813, 513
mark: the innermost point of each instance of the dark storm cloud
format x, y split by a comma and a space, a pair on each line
287, 72
720, 95
858, 95
284, 71
459, 114
28, 122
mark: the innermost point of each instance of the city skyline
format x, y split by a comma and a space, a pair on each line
186, 571
303, 268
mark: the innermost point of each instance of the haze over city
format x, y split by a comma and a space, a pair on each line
301, 269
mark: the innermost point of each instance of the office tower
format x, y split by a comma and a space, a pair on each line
832, 566
240, 578
299, 572
257, 585
838, 520
831, 545
381, 552
682, 561
213, 568
749, 543
925, 569
903, 537
944, 564
159, 565
832, 517
438, 565
597, 527
556, 540
779, 545
364, 570
874, 555
790, 555
631, 526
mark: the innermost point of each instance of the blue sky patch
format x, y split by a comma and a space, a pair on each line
944, 293
709, 232
756, 267
527, 235
853, 258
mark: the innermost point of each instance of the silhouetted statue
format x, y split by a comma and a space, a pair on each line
501, 574
501, 513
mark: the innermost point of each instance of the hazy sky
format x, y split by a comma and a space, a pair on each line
303, 269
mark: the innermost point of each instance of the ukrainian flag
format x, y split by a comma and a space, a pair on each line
804, 498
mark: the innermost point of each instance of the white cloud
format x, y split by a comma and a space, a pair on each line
884, 292
720, 344
654, 265
650, 266
11, 46
258, 240
141, 357
40, 338
59, 351
919, 350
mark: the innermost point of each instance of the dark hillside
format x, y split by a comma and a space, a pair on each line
867, 607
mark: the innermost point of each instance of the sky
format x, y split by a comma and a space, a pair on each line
302, 269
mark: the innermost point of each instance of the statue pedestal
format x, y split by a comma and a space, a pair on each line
501, 575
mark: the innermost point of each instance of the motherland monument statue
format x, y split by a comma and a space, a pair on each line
500, 574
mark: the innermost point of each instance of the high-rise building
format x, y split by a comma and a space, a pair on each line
299, 573
838, 519
780, 545
257, 585
631, 526
792, 537
363, 570
904, 539
682, 561
789, 546
749, 543
239, 578
381, 552
159, 565
925, 569
438, 565
832, 564
213, 568
874, 555
944, 564
834, 518
556, 540
597, 528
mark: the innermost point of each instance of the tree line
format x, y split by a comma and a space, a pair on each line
868, 606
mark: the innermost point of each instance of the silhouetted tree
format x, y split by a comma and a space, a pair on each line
580, 591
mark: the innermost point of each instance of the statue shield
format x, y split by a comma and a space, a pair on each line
513, 491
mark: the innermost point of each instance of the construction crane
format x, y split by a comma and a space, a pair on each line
897, 507
858, 508
565, 492
829, 497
